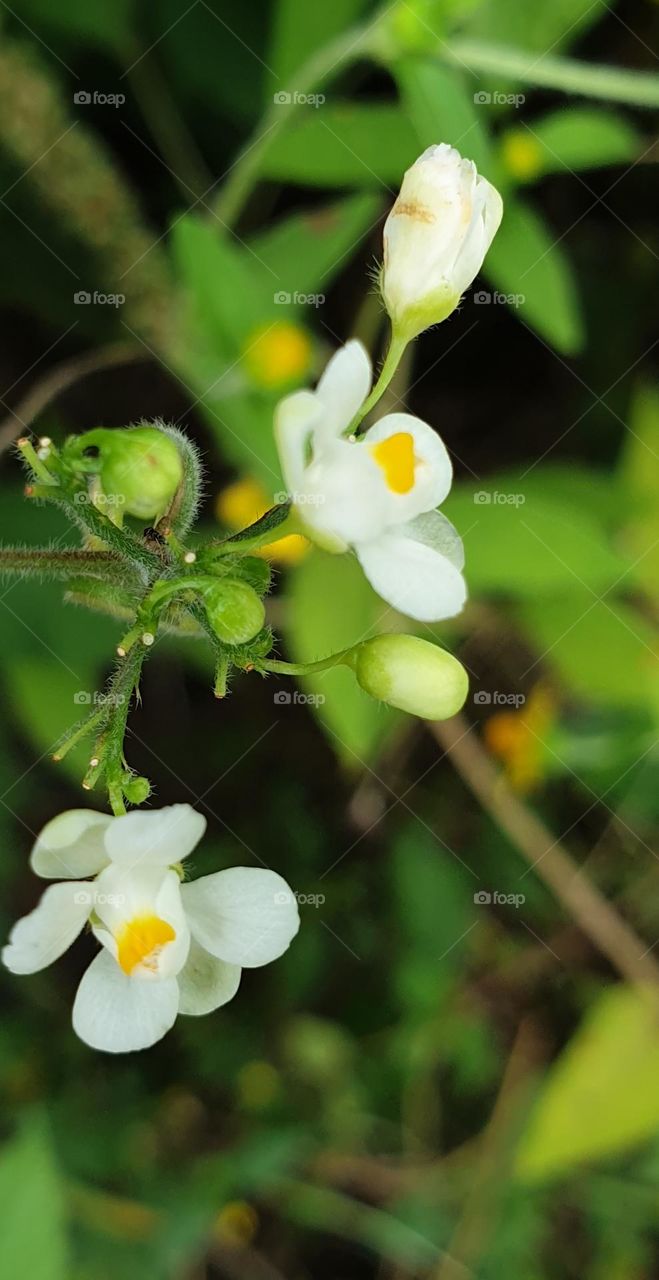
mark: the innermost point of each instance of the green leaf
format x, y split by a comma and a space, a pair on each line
269, 521
601, 1097
638, 474
300, 29
307, 250
605, 651
33, 1237
331, 606
526, 263
347, 145
572, 138
94, 22
441, 108
555, 24
228, 287
522, 543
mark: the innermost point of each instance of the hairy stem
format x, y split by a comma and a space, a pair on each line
44, 562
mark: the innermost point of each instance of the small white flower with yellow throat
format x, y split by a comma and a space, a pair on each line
167, 947
376, 495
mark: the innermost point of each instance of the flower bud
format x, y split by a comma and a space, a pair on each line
411, 674
136, 789
139, 469
234, 610
435, 238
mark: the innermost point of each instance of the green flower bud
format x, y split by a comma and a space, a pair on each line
234, 610
137, 789
411, 674
139, 469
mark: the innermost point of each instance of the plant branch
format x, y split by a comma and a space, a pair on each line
547, 856
614, 84
46, 562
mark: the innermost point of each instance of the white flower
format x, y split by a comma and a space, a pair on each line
376, 494
167, 947
436, 237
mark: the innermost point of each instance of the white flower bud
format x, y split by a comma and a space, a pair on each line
435, 238
411, 674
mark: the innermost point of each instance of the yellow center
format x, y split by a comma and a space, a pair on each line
395, 456
141, 940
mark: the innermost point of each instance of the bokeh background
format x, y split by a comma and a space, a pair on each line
453, 1072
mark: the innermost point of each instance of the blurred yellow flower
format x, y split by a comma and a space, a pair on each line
237, 1223
277, 355
243, 502
521, 154
516, 738
258, 1084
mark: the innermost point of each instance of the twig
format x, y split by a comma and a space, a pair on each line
59, 379
546, 855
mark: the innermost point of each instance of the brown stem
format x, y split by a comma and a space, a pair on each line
547, 856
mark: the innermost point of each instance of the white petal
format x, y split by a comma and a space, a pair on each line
486, 217
155, 837
119, 1014
245, 915
125, 897
296, 416
47, 932
413, 577
433, 529
71, 845
205, 983
343, 388
433, 471
344, 497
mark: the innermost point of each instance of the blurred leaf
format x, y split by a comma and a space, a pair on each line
604, 650
601, 1096
571, 138
638, 474
42, 695
227, 284
526, 260
306, 250
330, 607
555, 24
94, 22
347, 145
441, 107
33, 1236
301, 29
524, 544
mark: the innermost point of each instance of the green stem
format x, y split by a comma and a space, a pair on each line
392, 360
568, 75
330, 59
27, 451
93, 521
109, 747
67, 564
305, 668
78, 732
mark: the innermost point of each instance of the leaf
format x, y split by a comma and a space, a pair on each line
554, 24
33, 1238
345, 145
229, 288
526, 262
308, 249
94, 22
601, 1097
442, 109
267, 522
300, 29
572, 138
522, 543
331, 606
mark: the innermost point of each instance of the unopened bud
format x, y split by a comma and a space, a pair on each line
411, 674
234, 610
137, 790
139, 469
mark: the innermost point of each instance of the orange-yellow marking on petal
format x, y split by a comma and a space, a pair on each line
395, 456
141, 940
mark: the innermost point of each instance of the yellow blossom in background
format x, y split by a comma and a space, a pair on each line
521, 154
277, 355
258, 1084
517, 738
237, 1223
243, 502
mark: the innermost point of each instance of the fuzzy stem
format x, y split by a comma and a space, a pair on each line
304, 668
392, 360
67, 564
